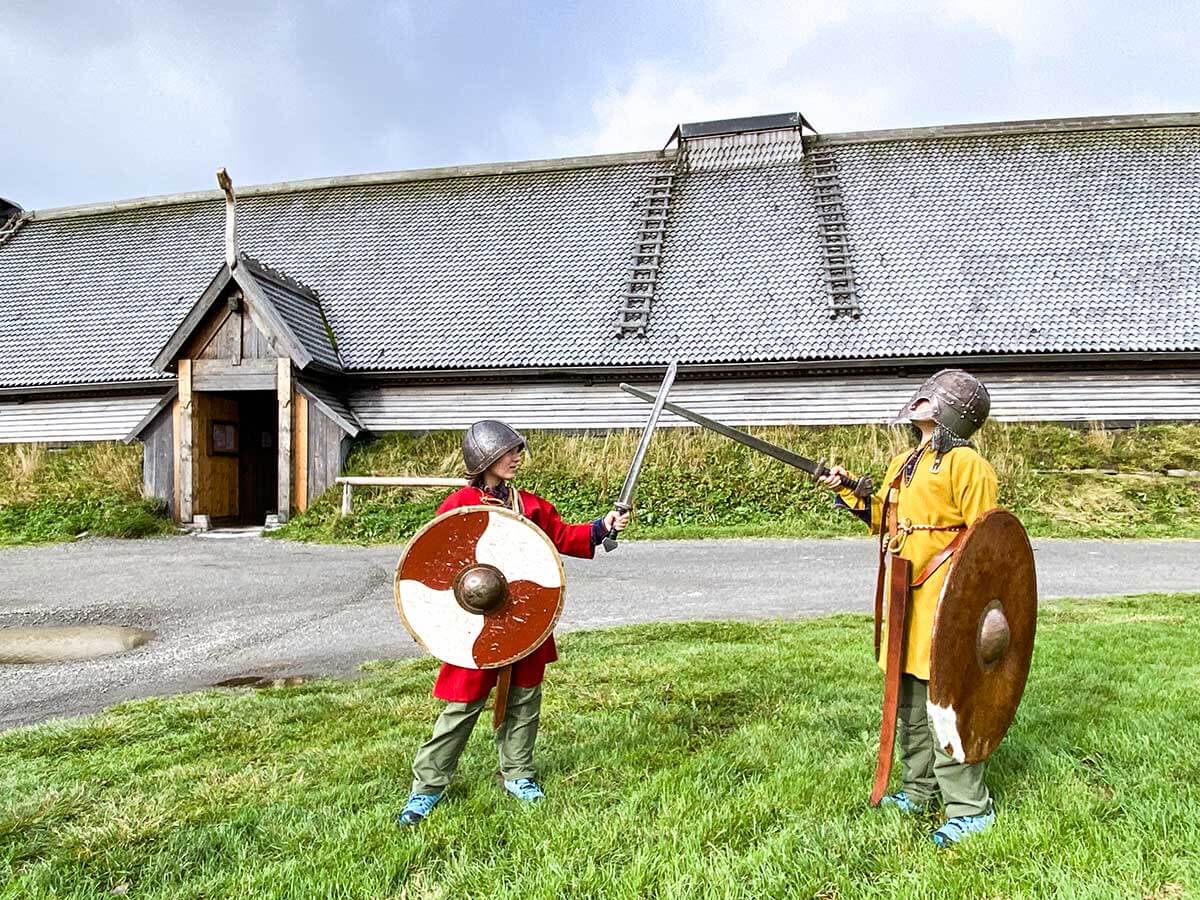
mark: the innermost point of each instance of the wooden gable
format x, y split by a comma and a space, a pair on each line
232, 322
232, 349
229, 332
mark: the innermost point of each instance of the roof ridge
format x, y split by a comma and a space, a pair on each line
442, 173
399, 176
1014, 127
280, 277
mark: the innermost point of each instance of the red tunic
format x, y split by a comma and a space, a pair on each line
461, 685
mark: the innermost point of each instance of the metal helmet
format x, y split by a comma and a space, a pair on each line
958, 401
485, 442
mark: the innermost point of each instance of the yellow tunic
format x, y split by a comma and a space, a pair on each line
963, 488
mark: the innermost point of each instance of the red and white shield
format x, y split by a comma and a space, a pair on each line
480, 587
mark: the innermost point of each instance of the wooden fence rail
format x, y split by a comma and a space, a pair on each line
348, 483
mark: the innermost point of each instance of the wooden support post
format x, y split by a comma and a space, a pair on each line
185, 440
300, 452
347, 487
283, 387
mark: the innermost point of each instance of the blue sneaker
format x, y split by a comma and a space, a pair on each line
960, 827
417, 808
525, 789
901, 801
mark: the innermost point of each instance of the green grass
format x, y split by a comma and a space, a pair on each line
686, 760
698, 484
695, 484
56, 495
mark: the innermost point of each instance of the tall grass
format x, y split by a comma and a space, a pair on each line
697, 483
54, 495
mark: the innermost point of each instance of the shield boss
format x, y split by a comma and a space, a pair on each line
983, 634
479, 587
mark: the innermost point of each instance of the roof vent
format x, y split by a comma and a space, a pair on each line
724, 128
741, 143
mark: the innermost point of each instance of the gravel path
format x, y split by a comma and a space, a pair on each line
229, 607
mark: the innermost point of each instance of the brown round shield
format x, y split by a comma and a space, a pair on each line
983, 637
479, 587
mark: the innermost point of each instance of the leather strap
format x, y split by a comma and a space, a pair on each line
898, 602
503, 681
900, 585
939, 560
887, 531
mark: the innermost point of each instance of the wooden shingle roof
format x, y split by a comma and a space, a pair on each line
1080, 237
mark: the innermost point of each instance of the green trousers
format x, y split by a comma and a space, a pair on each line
926, 769
438, 757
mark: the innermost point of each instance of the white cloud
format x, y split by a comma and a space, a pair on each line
1031, 27
756, 65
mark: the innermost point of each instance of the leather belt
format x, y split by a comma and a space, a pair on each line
898, 537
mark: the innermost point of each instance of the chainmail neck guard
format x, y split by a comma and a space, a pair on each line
944, 440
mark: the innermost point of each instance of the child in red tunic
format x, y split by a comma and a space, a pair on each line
492, 453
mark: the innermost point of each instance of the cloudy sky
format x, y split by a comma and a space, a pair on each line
134, 97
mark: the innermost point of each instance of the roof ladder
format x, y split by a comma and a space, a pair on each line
10, 226
831, 219
641, 280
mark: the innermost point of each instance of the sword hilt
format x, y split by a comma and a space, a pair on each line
862, 488
610, 539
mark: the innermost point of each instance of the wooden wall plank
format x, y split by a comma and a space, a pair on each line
66, 420
158, 457
316, 458
166, 456
175, 467
184, 460
300, 444
327, 449
228, 341
254, 344
203, 344
1081, 396
234, 382
284, 390
225, 367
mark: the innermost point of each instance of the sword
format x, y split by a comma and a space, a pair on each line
625, 501
862, 487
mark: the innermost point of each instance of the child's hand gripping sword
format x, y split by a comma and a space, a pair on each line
624, 502
861, 487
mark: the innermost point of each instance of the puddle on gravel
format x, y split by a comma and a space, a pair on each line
66, 643
263, 681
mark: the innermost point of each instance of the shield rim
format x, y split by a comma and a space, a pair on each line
937, 619
461, 511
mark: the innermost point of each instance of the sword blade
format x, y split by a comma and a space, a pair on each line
625, 499
811, 466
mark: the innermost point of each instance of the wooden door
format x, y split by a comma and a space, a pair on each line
217, 439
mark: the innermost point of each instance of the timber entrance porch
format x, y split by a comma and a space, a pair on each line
254, 426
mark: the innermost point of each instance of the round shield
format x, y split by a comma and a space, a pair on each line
983, 633
479, 587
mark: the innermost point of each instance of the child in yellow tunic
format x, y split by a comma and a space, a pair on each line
944, 486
